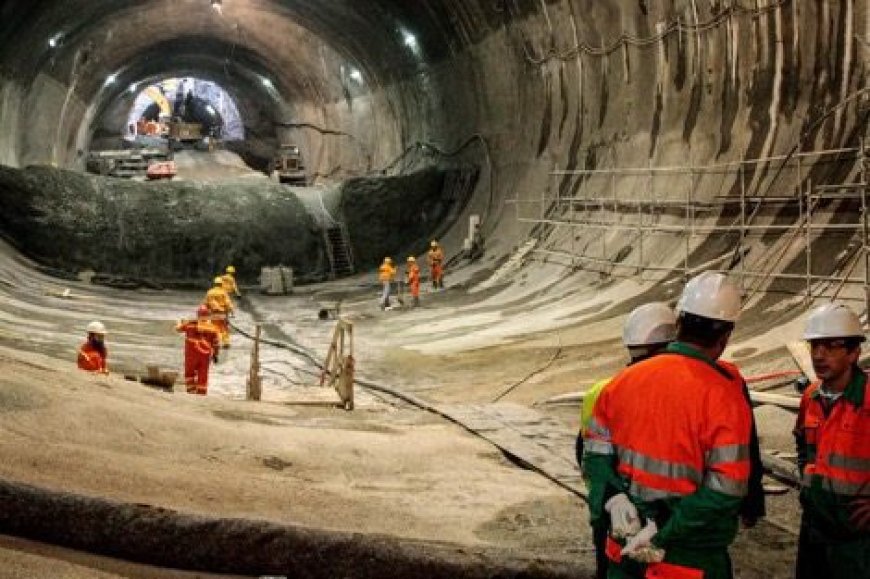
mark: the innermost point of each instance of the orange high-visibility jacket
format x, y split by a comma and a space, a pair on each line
834, 455
202, 336
217, 300
675, 424
386, 272
91, 359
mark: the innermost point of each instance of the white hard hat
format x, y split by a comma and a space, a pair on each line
96, 328
833, 321
711, 295
649, 324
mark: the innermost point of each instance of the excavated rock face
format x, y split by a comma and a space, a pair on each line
159, 231
184, 232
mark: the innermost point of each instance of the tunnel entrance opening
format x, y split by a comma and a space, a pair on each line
185, 109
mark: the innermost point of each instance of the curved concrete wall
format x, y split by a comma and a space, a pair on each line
547, 83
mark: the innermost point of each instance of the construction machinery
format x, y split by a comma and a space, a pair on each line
288, 166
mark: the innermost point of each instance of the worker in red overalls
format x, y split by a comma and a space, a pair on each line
93, 353
201, 347
412, 277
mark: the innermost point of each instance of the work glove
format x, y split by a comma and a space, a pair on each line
640, 547
860, 516
624, 521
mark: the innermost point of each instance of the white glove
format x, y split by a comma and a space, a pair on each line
624, 520
640, 547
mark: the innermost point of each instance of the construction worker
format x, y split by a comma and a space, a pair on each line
220, 306
647, 331
833, 443
93, 354
667, 448
436, 265
201, 347
412, 278
229, 282
386, 275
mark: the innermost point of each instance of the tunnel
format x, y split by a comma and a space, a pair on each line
573, 158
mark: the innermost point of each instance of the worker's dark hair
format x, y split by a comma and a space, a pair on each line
705, 332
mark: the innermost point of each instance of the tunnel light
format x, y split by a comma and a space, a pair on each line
217, 5
268, 83
133, 88
54, 41
356, 75
410, 40
210, 109
111, 79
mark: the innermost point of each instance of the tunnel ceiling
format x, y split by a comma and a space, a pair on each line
290, 41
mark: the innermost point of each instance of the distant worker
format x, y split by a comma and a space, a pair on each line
93, 354
833, 443
386, 275
436, 265
647, 331
220, 306
668, 447
201, 347
229, 282
412, 277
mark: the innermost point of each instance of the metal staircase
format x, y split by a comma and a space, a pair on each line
338, 250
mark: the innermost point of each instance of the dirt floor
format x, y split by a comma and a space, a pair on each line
386, 468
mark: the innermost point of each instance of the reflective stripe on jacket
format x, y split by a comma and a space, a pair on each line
202, 336
834, 451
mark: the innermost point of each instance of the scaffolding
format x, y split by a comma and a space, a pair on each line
771, 208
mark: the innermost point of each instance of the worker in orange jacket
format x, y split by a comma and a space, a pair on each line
386, 275
412, 277
229, 282
833, 443
668, 447
201, 347
436, 265
93, 355
220, 306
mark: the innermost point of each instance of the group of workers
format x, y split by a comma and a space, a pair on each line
387, 275
204, 335
670, 454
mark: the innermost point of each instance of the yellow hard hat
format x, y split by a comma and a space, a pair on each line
231, 269
412, 259
434, 243
218, 280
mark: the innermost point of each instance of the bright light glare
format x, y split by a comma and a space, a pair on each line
111, 79
410, 40
268, 83
54, 41
133, 88
356, 75
217, 5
